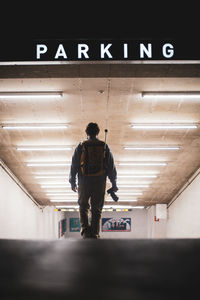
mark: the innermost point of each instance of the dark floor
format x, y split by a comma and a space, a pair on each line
100, 269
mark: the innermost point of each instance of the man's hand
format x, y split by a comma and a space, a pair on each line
74, 188
114, 188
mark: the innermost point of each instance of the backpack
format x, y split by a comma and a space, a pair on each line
92, 158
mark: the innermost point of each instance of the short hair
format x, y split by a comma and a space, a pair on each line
92, 129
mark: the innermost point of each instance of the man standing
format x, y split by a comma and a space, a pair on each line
93, 162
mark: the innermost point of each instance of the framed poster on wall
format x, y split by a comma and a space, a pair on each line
62, 227
74, 225
116, 224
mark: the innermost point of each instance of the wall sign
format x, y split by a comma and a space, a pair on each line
98, 50
74, 225
62, 227
93, 50
116, 224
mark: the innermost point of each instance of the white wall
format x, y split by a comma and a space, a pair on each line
20, 218
184, 213
138, 224
155, 229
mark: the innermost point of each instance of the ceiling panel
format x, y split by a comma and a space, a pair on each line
114, 103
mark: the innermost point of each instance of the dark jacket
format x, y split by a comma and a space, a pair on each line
76, 167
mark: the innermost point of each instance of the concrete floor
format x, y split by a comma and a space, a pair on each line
99, 269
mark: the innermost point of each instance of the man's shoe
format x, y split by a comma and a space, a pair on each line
86, 234
95, 236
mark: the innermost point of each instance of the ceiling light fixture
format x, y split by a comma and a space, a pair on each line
50, 173
34, 127
53, 183
67, 206
39, 95
164, 126
63, 200
75, 195
133, 186
105, 206
145, 164
44, 148
64, 186
129, 193
67, 190
141, 172
122, 206
152, 148
48, 164
137, 176
60, 194
137, 181
120, 200
50, 177
170, 95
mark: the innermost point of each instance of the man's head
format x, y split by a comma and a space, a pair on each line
92, 129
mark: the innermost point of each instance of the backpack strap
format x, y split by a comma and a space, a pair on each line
82, 160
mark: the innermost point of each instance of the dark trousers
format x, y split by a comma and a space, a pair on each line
91, 195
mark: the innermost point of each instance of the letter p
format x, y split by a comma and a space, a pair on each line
40, 49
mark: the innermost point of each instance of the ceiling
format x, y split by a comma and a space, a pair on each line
114, 103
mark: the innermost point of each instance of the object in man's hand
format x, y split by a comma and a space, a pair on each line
112, 194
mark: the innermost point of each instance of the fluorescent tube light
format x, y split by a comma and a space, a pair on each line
33, 127
172, 95
164, 126
122, 206
120, 200
47, 164
105, 206
128, 190
50, 173
129, 193
66, 190
63, 200
60, 194
72, 194
152, 148
44, 148
146, 164
53, 183
133, 186
64, 186
50, 177
133, 181
117, 206
136, 172
137, 207
137, 176
40, 95
67, 206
